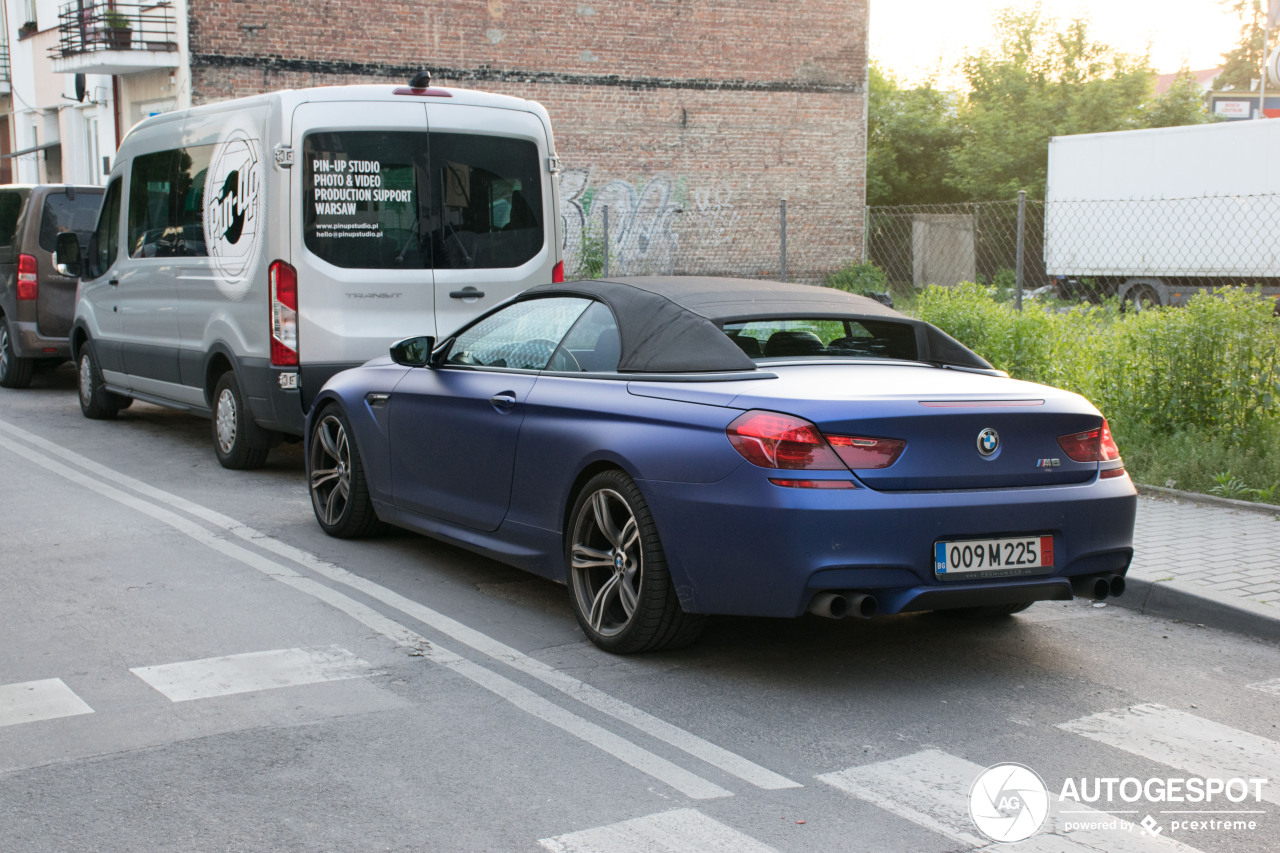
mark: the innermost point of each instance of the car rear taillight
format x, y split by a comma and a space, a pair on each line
557, 273
773, 440
28, 277
283, 282
1095, 445
865, 453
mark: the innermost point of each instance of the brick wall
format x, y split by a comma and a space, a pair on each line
690, 119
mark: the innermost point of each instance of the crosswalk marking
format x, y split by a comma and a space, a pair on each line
244, 673
1272, 686
1187, 742
931, 789
678, 831
31, 701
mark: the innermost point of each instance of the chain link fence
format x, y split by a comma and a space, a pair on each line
1145, 251
647, 234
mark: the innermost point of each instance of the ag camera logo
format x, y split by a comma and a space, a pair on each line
1008, 802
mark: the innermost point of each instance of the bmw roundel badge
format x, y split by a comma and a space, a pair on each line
988, 441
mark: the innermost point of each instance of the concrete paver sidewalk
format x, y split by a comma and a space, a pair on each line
1208, 563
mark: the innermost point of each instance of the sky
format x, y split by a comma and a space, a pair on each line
918, 39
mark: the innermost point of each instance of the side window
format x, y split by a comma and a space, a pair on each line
592, 345
521, 336
361, 196
63, 213
106, 237
486, 201
10, 210
166, 209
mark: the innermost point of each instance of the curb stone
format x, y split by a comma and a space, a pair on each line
1189, 602
1212, 500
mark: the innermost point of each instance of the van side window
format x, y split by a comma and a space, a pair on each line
486, 201
362, 196
106, 237
166, 203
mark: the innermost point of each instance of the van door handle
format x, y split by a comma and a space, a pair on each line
503, 401
467, 293
114, 282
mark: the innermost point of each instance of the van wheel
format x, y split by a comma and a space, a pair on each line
239, 442
14, 372
96, 402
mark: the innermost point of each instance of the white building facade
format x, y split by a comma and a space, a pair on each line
80, 74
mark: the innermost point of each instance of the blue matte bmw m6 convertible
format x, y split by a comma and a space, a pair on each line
675, 447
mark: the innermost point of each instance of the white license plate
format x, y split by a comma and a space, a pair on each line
993, 557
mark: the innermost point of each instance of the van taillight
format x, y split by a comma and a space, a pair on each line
557, 273
283, 281
28, 277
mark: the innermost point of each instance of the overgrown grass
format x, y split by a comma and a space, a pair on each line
1192, 394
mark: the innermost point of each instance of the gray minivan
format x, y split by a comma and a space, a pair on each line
37, 303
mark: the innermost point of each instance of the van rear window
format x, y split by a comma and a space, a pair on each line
414, 200
62, 213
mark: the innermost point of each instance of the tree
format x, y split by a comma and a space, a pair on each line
1242, 65
1183, 103
911, 136
1043, 82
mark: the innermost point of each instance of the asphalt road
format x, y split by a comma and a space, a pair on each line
188, 663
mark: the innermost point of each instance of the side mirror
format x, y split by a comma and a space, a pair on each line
67, 255
413, 352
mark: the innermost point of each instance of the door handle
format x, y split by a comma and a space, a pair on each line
114, 282
466, 293
503, 401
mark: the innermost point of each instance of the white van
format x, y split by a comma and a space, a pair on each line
248, 250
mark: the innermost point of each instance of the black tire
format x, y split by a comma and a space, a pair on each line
335, 477
15, 372
96, 402
619, 585
239, 443
1142, 297
991, 611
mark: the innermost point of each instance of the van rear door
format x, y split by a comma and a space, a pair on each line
491, 216
363, 270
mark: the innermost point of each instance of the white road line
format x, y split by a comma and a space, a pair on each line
32, 701
624, 750
931, 789
1272, 686
246, 673
678, 831
1187, 742
716, 756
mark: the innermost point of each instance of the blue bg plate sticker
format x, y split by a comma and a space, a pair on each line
1011, 556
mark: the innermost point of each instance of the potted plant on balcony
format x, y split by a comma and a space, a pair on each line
119, 31
27, 29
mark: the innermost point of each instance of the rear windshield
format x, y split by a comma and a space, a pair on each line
417, 200
78, 216
820, 338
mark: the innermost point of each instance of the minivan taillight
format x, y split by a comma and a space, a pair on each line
283, 282
1095, 445
28, 277
557, 273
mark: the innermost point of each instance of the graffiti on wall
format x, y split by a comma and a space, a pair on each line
642, 237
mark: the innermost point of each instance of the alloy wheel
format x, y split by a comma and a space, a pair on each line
330, 469
607, 562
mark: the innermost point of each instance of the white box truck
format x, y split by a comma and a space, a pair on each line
1154, 216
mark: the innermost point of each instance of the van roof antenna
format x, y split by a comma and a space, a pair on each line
421, 80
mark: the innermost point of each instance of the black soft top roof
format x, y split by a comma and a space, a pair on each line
672, 324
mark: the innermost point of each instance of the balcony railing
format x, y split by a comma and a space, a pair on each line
88, 30
5, 78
